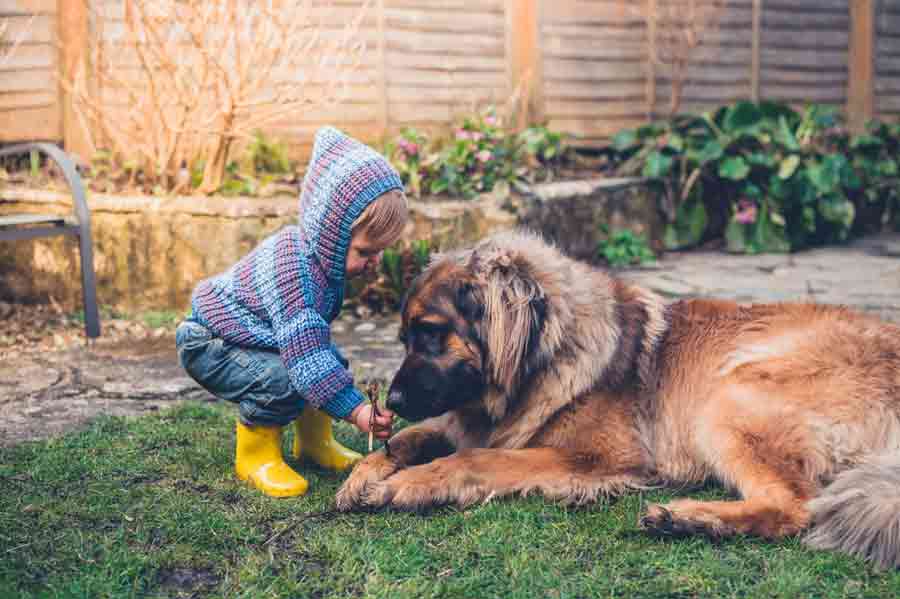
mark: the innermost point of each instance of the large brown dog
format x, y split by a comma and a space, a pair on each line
534, 372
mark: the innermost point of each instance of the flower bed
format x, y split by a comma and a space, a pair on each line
765, 177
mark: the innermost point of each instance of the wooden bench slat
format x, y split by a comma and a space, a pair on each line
12, 220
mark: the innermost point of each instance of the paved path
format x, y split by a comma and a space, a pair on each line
46, 394
864, 275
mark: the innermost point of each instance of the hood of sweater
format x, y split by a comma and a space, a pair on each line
344, 176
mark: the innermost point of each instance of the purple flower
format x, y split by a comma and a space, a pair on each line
484, 155
746, 212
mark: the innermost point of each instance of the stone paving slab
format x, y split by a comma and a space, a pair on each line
864, 275
46, 394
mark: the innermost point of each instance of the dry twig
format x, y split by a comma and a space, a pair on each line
676, 28
373, 392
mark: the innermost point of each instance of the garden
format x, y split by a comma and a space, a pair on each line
117, 470
165, 517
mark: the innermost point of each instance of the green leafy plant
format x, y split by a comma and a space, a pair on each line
400, 264
624, 247
764, 176
875, 157
265, 156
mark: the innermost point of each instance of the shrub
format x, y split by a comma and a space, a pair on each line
768, 178
480, 156
624, 248
400, 264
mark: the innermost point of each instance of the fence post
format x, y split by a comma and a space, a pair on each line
523, 56
650, 67
756, 33
860, 87
74, 34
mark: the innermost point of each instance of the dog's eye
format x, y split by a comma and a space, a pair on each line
429, 340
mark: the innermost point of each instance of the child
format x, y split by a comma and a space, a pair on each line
259, 334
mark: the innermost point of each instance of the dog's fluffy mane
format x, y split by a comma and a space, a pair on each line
536, 302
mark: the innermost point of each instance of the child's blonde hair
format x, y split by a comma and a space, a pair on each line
384, 219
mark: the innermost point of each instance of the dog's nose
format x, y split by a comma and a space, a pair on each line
394, 400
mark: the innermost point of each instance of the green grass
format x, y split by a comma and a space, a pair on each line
149, 507
161, 318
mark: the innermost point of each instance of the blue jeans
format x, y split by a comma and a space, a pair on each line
255, 379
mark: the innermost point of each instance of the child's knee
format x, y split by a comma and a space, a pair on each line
190, 338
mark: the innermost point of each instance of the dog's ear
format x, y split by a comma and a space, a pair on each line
515, 309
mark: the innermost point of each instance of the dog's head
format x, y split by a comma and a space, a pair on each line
471, 325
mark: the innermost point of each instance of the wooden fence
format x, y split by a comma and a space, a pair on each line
585, 63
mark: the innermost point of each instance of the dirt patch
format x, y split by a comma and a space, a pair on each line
53, 381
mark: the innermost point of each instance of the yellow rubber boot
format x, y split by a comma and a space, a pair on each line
258, 460
313, 437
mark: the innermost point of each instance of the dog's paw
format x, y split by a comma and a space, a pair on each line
373, 469
413, 490
674, 520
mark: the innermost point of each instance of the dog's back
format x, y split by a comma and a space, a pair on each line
810, 394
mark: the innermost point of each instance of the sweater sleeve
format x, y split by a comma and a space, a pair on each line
315, 371
344, 361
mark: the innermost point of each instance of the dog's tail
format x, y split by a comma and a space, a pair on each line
859, 513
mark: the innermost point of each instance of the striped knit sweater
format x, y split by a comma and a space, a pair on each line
284, 294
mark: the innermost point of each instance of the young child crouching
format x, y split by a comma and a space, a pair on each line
259, 334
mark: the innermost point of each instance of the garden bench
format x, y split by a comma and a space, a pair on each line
31, 226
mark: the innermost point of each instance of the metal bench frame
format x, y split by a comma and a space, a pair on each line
23, 229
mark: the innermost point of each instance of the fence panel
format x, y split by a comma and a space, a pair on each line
720, 69
29, 89
429, 61
804, 53
887, 59
443, 59
594, 67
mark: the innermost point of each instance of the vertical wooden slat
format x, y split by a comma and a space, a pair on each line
523, 57
73, 32
383, 113
650, 67
756, 34
860, 88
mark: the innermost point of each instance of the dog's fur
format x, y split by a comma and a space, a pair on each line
534, 372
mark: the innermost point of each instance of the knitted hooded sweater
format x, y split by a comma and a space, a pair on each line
284, 294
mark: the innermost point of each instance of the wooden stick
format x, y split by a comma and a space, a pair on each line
373, 392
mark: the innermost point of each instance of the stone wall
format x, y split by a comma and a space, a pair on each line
149, 252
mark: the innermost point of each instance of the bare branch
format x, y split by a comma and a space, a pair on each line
186, 78
681, 26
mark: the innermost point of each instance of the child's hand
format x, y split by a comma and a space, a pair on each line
362, 415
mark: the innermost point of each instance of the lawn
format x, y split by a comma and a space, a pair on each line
149, 507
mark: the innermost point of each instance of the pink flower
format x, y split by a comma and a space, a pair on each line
491, 121
476, 136
746, 212
484, 155
408, 147
462, 134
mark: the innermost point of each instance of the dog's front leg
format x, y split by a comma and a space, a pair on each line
478, 475
415, 445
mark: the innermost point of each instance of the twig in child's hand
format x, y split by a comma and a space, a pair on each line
373, 392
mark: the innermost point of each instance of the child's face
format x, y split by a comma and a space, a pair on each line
362, 254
